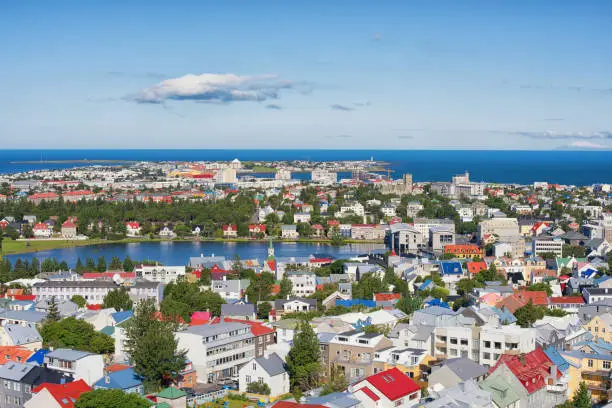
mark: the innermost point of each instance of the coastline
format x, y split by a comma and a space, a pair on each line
10, 247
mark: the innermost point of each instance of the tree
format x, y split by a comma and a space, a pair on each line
409, 304
90, 264
439, 293
336, 380
260, 287
582, 398
79, 266
528, 314
119, 299
368, 285
263, 310
128, 265
77, 334
79, 300
115, 264
53, 313
258, 388
152, 347
541, 286
303, 360
111, 399
101, 266
286, 287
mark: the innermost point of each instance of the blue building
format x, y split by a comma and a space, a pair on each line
125, 380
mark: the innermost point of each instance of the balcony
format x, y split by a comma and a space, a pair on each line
557, 388
353, 360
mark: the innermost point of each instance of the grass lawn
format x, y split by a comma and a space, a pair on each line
263, 169
18, 247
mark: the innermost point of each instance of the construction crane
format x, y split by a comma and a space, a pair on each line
389, 171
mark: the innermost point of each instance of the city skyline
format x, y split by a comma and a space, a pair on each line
238, 74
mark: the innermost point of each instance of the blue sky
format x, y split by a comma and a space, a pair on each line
296, 74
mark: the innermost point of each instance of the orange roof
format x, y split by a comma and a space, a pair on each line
475, 267
69, 392
539, 297
381, 297
117, 367
462, 249
257, 328
14, 353
578, 300
511, 303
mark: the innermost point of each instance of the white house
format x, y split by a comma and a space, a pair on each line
289, 231
81, 365
269, 370
132, 228
304, 282
301, 217
388, 210
166, 231
387, 389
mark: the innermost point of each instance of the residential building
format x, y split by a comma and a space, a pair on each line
600, 326
243, 311
451, 372
65, 307
284, 306
321, 176
132, 228
304, 282
423, 225
404, 239
289, 232
592, 295
17, 380
464, 394
544, 244
353, 352
69, 230
159, 273
79, 365
42, 230
63, 395
411, 361
230, 231
388, 389
464, 251
95, 291
594, 369
439, 237
125, 380
20, 335
269, 370
217, 351
233, 289
501, 227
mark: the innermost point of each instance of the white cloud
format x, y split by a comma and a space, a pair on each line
586, 144
215, 88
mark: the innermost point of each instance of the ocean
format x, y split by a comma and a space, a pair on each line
502, 166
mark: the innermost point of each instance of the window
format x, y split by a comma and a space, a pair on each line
606, 365
590, 363
486, 356
17, 386
254, 367
487, 344
260, 380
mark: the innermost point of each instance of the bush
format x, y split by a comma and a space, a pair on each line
258, 388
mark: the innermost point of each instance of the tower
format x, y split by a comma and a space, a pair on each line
270, 250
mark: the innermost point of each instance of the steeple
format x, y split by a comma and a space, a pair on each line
270, 250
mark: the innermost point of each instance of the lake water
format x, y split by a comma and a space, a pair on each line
178, 253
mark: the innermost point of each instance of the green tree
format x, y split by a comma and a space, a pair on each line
263, 310
582, 397
439, 293
119, 299
79, 300
368, 285
111, 399
286, 287
409, 304
76, 334
541, 286
528, 314
152, 347
53, 313
128, 265
115, 264
101, 265
258, 388
260, 287
336, 380
90, 265
79, 266
303, 360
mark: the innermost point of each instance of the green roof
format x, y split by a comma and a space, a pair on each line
110, 330
162, 405
505, 389
171, 393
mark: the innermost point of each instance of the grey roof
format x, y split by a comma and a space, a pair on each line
423, 332
335, 400
95, 284
237, 309
395, 332
272, 364
23, 315
68, 354
15, 371
208, 330
21, 335
279, 303
465, 369
325, 338
229, 285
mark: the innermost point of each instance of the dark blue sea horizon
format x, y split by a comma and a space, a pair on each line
502, 166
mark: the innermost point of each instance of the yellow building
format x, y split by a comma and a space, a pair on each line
601, 327
594, 370
416, 366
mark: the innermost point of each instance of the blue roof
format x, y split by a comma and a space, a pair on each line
119, 317
122, 380
451, 268
38, 357
108, 330
556, 358
601, 280
598, 345
425, 284
355, 302
437, 302
505, 315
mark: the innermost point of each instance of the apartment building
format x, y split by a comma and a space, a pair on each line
594, 369
484, 345
439, 237
353, 351
547, 244
78, 365
159, 273
502, 227
304, 282
423, 225
404, 239
94, 291
218, 351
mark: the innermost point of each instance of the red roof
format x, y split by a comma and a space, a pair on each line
538, 297
381, 297
260, 227
577, 300
68, 224
462, 249
257, 328
333, 223
41, 226
24, 297
110, 275
69, 392
94, 307
117, 367
133, 224
229, 227
14, 353
475, 267
393, 384
370, 393
530, 369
